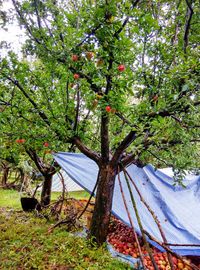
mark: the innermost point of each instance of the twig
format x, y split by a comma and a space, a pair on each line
182, 245
77, 110
189, 15
91, 195
154, 217
140, 223
130, 220
63, 191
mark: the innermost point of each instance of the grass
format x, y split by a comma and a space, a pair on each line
11, 198
26, 244
74, 194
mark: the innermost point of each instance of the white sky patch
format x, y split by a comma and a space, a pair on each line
14, 35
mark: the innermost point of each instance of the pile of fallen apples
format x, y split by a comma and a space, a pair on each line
121, 237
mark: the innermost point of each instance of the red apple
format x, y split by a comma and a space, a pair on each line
74, 58
175, 260
180, 265
151, 268
46, 144
76, 76
89, 55
121, 68
108, 108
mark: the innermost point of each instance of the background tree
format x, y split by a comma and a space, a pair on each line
117, 80
10, 166
20, 139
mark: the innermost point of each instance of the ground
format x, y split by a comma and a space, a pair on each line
26, 244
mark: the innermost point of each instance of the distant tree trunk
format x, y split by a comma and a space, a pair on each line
46, 190
4, 178
103, 204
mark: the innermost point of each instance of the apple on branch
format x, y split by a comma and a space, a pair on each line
108, 108
74, 57
121, 68
76, 76
46, 144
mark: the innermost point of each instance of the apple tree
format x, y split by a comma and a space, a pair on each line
22, 134
117, 80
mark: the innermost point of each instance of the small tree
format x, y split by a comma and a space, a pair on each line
19, 140
117, 80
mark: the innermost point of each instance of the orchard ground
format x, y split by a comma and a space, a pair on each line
26, 244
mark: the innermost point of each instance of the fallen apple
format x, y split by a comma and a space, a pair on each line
123, 240
180, 265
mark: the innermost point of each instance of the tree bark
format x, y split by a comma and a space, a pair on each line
103, 204
46, 190
5, 176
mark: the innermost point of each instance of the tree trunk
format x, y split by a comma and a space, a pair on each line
46, 190
5, 176
103, 204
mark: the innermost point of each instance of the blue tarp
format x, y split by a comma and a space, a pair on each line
177, 208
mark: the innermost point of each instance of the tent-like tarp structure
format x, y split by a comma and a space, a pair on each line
69, 184
177, 208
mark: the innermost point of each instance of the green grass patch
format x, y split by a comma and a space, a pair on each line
74, 194
11, 198
26, 244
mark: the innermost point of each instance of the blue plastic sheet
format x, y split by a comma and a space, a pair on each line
177, 208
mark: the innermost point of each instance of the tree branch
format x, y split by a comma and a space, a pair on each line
93, 86
167, 113
85, 150
25, 23
42, 114
77, 110
37, 14
123, 146
39, 164
189, 15
104, 137
116, 34
92, 32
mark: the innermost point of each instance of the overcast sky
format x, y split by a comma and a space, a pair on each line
13, 35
